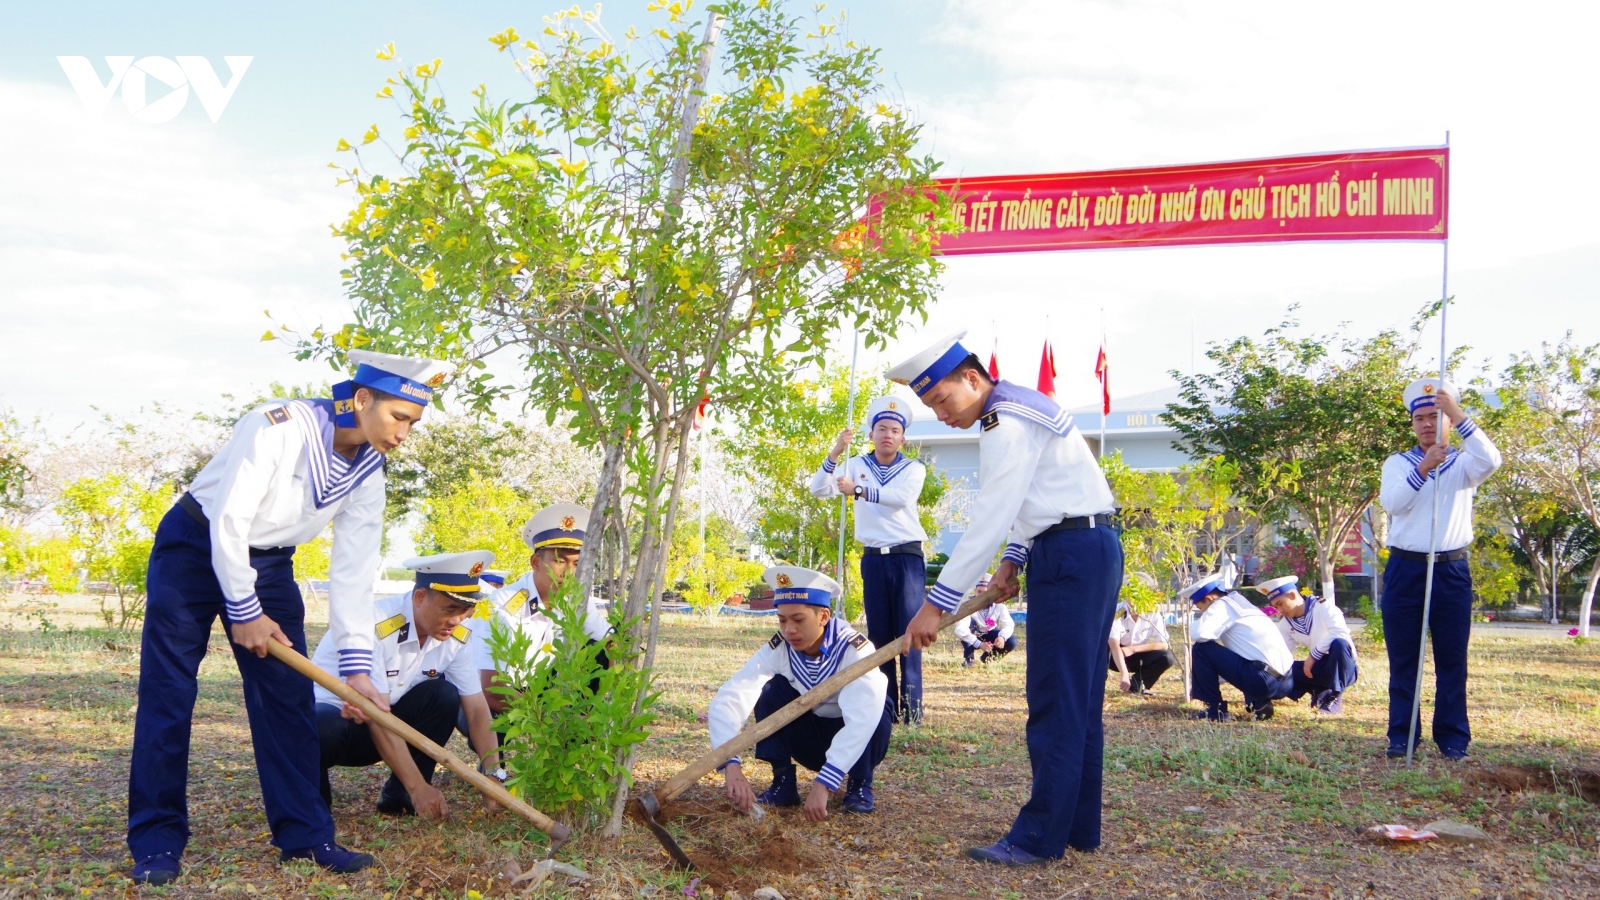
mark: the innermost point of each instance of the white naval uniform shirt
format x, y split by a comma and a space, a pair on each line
1130, 632
1034, 469
517, 606
1235, 623
401, 661
1409, 499
278, 483
984, 621
860, 702
886, 511
1318, 627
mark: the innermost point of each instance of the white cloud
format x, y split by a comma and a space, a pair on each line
138, 259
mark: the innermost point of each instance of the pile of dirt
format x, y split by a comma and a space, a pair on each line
1584, 783
746, 870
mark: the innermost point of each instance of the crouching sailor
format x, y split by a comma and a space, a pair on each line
885, 484
555, 537
1319, 625
424, 670
1236, 643
226, 548
989, 631
846, 734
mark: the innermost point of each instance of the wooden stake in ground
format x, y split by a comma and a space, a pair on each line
491, 788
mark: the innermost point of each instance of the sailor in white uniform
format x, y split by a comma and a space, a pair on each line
1042, 496
555, 536
989, 631
1318, 625
1409, 482
226, 548
885, 484
424, 670
1140, 649
1235, 642
846, 735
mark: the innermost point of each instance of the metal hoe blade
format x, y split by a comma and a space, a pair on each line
650, 808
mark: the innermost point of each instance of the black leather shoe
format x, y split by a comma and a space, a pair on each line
158, 868
1003, 853
394, 801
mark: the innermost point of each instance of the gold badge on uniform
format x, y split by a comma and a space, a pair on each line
436, 380
784, 580
567, 523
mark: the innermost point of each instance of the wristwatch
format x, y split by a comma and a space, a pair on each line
499, 774
859, 491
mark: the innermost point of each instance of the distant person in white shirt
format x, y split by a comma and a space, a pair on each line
1140, 650
424, 671
1409, 482
844, 737
1318, 625
885, 484
1235, 642
988, 633
290, 469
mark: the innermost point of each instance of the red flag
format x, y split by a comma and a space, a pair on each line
700, 413
1102, 371
994, 367
1047, 371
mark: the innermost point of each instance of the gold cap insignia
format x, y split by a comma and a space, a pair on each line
477, 568
784, 581
567, 523
436, 380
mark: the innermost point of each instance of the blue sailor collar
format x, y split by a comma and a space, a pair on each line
883, 473
1302, 622
332, 476
1027, 404
811, 671
1415, 454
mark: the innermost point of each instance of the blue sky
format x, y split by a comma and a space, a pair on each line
139, 257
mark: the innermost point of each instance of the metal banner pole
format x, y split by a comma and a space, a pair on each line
1433, 536
849, 421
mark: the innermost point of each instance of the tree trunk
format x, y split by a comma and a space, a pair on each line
1587, 607
1325, 567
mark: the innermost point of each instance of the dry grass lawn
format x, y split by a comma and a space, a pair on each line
1242, 810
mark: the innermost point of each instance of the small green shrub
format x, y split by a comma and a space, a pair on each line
569, 720
1373, 630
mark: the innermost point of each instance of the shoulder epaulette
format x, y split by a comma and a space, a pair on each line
515, 601
391, 625
857, 640
278, 415
777, 641
990, 419
461, 633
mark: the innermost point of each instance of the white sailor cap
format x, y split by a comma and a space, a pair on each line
792, 584
983, 581
1274, 588
1205, 587
923, 369
889, 407
494, 578
560, 525
1419, 393
407, 377
453, 573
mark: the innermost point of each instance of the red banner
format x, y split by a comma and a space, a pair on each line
1386, 195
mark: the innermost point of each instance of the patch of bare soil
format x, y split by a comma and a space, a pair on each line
1584, 783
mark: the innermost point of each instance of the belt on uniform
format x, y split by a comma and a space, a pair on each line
913, 548
1098, 520
1443, 556
192, 507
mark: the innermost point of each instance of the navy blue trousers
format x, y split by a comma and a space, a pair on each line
184, 600
993, 637
430, 707
806, 740
893, 587
1450, 625
1073, 580
1334, 672
1214, 664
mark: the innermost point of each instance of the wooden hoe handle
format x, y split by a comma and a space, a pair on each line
797, 707
489, 786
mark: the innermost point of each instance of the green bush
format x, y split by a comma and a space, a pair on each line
568, 720
1374, 627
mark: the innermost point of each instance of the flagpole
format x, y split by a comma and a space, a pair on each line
849, 421
1433, 529
1103, 378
